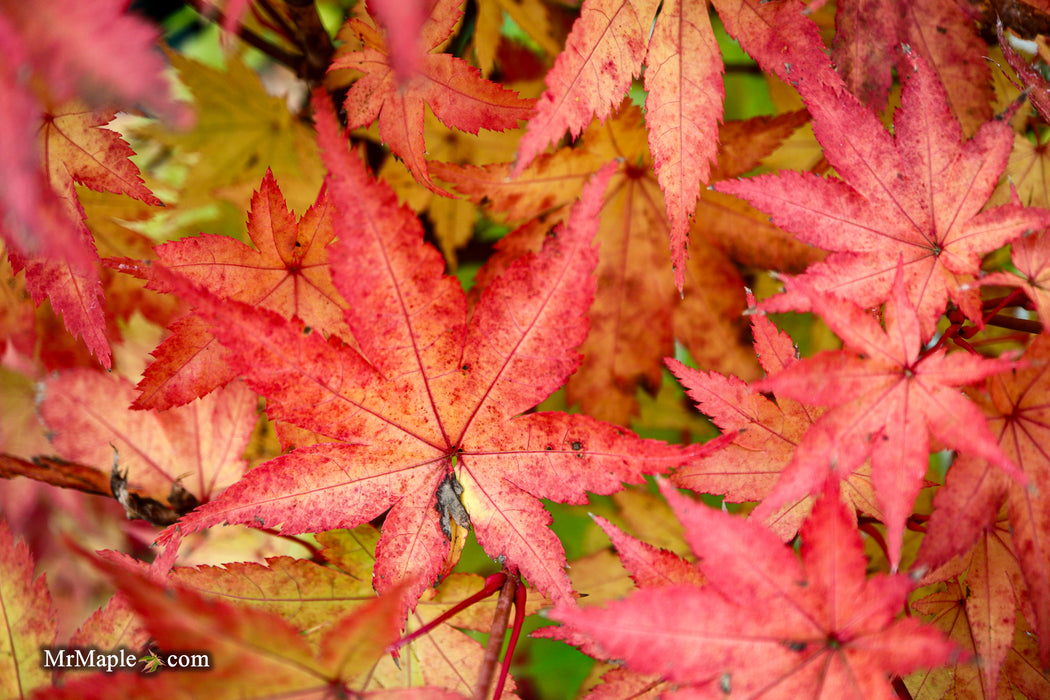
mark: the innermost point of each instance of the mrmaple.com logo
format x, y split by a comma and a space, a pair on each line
83, 658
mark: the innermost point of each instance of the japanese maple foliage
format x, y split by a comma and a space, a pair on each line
917, 194
395, 87
791, 256
765, 624
886, 400
427, 415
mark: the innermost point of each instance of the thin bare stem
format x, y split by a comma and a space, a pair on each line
519, 621
491, 584
496, 632
312, 38
210, 12
1016, 324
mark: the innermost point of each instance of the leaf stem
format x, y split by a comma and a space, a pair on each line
313, 40
212, 13
519, 621
491, 584
496, 632
1016, 324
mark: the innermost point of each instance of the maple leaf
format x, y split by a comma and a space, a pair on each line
312, 596
604, 52
89, 415
966, 506
77, 149
766, 435
452, 88
28, 622
250, 653
994, 587
765, 622
886, 397
917, 194
1031, 259
636, 315
429, 415
242, 132
286, 272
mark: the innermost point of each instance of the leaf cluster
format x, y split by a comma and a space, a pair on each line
712, 337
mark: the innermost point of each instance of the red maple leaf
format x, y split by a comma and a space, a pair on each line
765, 434
966, 506
766, 624
453, 89
286, 271
429, 420
886, 398
683, 79
916, 194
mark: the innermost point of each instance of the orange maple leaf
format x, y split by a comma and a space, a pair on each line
286, 272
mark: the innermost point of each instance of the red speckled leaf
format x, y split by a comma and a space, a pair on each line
286, 271
453, 89
602, 55
766, 434
683, 108
886, 400
429, 418
766, 623
918, 195
1018, 415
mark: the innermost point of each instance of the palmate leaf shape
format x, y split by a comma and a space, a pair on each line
77, 149
200, 445
767, 625
766, 434
251, 653
453, 89
286, 271
683, 80
636, 315
991, 576
917, 194
966, 506
429, 413
886, 398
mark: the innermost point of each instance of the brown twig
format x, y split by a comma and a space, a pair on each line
1016, 324
495, 644
312, 38
212, 13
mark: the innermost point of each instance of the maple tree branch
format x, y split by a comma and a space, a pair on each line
312, 38
495, 644
997, 304
1015, 324
214, 14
